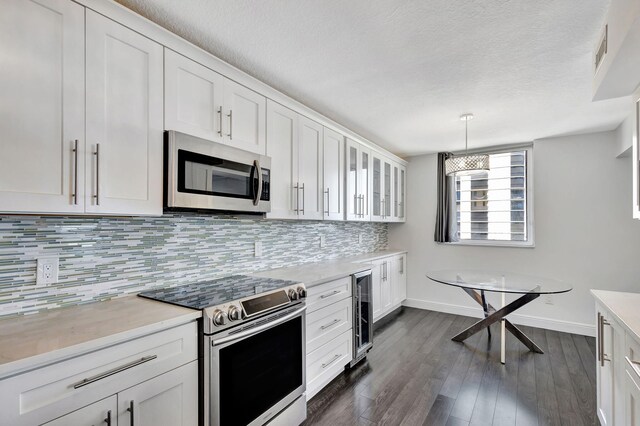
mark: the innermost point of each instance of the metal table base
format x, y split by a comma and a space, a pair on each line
491, 316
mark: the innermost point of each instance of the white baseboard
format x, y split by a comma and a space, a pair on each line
549, 324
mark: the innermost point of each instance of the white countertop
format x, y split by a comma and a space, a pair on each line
624, 306
30, 341
369, 257
312, 274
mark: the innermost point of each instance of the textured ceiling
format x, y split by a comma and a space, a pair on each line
401, 72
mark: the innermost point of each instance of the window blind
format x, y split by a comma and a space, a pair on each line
492, 205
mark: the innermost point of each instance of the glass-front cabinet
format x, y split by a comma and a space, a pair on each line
375, 185
358, 178
398, 187
381, 192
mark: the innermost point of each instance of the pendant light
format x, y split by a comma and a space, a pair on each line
466, 164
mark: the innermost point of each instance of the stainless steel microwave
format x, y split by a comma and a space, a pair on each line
204, 175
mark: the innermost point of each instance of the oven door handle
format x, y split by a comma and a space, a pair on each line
258, 329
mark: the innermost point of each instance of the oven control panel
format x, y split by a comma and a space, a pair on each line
229, 314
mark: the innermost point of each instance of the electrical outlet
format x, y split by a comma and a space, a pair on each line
47, 270
322, 241
360, 238
258, 249
548, 299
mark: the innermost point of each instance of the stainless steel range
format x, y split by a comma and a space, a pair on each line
253, 348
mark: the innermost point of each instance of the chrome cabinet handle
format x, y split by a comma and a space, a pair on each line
328, 210
599, 337
131, 412
302, 188
324, 296
402, 266
603, 356
334, 359
361, 205
108, 419
324, 327
220, 118
97, 154
297, 191
635, 365
75, 172
113, 371
230, 115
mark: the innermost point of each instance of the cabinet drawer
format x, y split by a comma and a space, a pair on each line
328, 323
325, 294
327, 362
51, 391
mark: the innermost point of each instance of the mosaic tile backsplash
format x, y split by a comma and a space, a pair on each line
102, 258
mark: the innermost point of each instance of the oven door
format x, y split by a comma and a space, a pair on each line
201, 174
259, 370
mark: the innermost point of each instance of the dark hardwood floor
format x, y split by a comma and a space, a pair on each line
416, 375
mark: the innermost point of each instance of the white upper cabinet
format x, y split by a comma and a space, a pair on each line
381, 192
193, 97
333, 175
358, 181
398, 185
124, 115
295, 145
42, 120
244, 118
310, 169
282, 147
203, 103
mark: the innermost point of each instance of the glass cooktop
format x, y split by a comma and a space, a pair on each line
205, 294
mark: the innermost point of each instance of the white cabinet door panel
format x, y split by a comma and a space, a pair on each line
193, 97
310, 169
170, 399
282, 147
333, 175
124, 74
244, 123
42, 87
103, 412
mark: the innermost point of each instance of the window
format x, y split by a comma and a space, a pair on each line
494, 207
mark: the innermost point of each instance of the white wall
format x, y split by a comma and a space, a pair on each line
584, 234
624, 136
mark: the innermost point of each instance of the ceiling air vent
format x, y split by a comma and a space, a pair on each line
601, 51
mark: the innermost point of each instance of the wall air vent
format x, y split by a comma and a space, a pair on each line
601, 50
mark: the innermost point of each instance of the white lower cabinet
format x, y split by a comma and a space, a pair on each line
102, 412
617, 371
170, 399
328, 361
389, 282
156, 372
632, 399
329, 332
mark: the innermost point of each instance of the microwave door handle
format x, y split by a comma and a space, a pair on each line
258, 192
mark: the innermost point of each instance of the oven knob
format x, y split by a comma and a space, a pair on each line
219, 317
293, 295
302, 292
234, 314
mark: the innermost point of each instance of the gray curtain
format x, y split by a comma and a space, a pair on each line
444, 214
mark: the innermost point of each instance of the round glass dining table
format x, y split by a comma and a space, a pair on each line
477, 283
